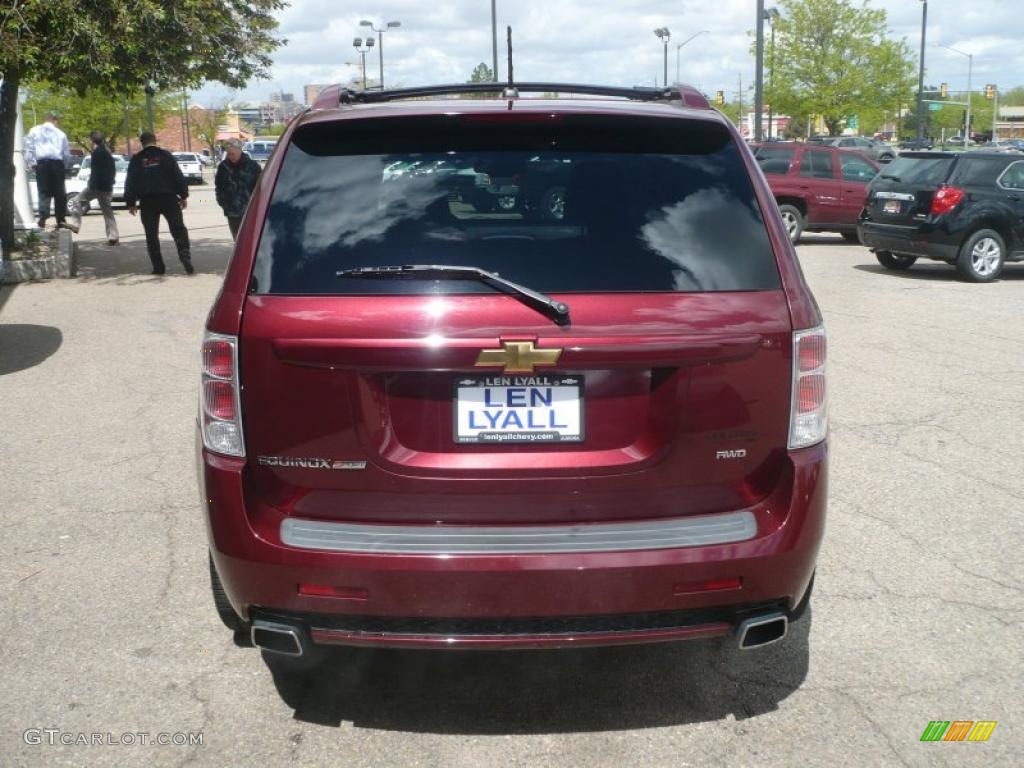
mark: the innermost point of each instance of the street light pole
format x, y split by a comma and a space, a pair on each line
380, 35
773, 15
759, 72
149, 105
691, 37
361, 50
494, 38
970, 67
920, 75
664, 35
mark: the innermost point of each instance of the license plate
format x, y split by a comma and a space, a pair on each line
519, 409
891, 206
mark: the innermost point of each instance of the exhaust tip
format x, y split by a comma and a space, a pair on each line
760, 631
277, 638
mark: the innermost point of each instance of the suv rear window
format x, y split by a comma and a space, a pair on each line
558, 203
920, 170
775, 159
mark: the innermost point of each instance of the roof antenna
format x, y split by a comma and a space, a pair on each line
510, 89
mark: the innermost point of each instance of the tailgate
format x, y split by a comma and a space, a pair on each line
902, 192
353, 414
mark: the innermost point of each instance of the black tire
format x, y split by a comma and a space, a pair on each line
982, 257
552, 205
794, 222
851, 237
220, 601
897, 262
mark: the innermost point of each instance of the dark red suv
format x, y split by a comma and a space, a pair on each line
818, 188
431, 420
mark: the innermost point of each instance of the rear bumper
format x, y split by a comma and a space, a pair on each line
922, 241
502, 599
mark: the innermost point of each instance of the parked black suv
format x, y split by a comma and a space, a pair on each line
966, 209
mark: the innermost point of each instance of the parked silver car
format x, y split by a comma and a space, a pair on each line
877, 150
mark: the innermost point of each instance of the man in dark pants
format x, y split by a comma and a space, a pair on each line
102, 173
236, 179
46, 150
157, 183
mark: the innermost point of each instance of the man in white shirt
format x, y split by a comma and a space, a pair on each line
46, 150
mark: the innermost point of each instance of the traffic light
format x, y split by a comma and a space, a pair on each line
990, 92
719, 97
944, 90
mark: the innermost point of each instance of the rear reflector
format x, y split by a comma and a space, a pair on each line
711, 585
340, 593
809, 411
219, 414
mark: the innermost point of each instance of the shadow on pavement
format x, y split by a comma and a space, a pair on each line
26, 346
937, 272
542, 692
128, 262
5, 293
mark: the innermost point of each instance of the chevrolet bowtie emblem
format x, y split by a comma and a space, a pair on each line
517, 357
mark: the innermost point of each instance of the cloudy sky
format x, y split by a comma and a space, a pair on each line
603, 41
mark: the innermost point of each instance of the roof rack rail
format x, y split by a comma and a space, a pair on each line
336, 95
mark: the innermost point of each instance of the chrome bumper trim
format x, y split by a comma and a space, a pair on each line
701, 531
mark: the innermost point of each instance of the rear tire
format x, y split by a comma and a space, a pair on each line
982, 257
794, 221
220, 601
552, 205
895, 261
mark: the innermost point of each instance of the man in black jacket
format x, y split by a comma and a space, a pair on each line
236, 179
157, 183
100, 187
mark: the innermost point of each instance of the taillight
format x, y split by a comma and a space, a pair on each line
219, 412
808, 421
946, 199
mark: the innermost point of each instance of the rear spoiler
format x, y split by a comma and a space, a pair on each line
338, 95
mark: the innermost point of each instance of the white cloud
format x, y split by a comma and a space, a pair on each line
606, 41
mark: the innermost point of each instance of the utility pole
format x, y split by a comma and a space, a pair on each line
739, 98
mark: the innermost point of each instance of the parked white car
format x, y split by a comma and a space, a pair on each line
80, 181
191, 166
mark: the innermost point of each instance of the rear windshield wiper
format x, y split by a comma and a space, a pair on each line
556, 310
889, 176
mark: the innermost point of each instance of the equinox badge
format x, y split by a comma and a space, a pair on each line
288, 461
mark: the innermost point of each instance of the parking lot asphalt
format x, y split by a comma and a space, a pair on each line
109, 627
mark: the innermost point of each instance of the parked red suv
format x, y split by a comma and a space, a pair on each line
818, 188
428, 423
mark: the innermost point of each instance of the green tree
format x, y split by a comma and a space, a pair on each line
117, 46
482, 74
94, 109
206, 125
730, 109
1014, 97
834, 58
